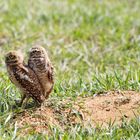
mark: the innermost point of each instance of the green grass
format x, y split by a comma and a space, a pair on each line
94, 46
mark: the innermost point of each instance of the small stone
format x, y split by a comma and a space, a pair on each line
108, 109
125, 116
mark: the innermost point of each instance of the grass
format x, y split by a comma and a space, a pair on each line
94, 46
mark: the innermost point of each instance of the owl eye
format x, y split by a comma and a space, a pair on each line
35, 51
12, 57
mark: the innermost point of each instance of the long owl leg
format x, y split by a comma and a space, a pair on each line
37, 104
22, 99
24, 102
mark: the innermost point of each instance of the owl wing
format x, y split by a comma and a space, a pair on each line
29, 82
51, 73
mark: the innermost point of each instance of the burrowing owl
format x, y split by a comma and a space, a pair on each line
40, 63
24, 78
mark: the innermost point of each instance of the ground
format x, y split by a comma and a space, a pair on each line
94, 46
100, 110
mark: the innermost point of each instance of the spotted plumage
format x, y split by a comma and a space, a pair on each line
40, 63
23, 77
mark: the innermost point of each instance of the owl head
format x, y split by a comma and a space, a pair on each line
37, 52
13, 57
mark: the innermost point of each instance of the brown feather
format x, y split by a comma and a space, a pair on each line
40, 63
23, 77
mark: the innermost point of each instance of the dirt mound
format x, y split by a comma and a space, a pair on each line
99, 109
38, 120
113, 106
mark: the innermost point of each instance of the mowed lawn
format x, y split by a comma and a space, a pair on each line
94, 46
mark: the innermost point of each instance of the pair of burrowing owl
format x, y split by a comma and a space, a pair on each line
34, 79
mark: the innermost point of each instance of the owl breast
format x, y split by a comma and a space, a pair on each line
38, 64
42, 70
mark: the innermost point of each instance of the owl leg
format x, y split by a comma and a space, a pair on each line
37, 104
24, 103
22, 99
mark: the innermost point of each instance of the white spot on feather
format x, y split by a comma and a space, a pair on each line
26, 77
